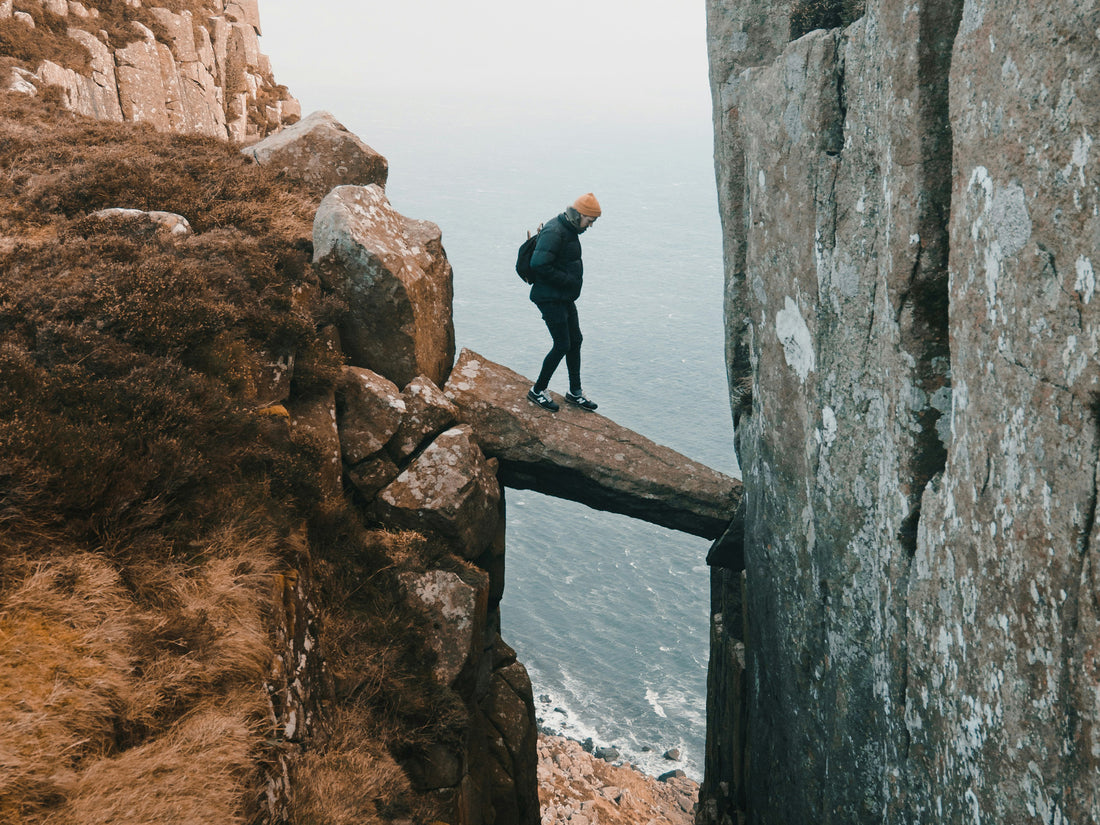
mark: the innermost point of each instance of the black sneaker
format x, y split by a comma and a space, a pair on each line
578, 400
543, 399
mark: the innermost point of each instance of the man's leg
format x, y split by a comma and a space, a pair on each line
573, 356
556, 316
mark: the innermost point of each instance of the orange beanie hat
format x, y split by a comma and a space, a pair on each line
588, 206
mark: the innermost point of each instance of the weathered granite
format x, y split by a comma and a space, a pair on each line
428, 412
320, 152
457, 610
917, 531
394, 275
449, 492
586, 457
208, 78
369, 409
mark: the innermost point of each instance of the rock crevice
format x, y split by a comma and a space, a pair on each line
909, 374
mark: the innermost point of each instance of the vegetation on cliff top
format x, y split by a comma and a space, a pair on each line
147, 502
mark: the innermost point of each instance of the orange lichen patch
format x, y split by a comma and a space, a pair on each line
276, 410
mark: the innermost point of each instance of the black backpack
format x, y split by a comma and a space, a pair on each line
523, 259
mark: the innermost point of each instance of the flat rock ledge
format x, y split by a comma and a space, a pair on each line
586, 457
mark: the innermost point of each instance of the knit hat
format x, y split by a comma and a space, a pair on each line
588, 206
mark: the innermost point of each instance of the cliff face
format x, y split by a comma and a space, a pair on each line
910, 208
189, 67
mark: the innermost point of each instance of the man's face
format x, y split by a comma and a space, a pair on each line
586, 222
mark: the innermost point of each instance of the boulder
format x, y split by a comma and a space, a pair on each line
456, 612
428, 412
369, 409
319, 152
394, 275
586, 457
372, 475
608, 754
450, 491
165, 224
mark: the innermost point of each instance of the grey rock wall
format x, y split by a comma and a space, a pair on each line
909, 207
206, 77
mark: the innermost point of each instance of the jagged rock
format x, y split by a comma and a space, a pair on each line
313, 422
509, 707
245, 11
321, 153
6, 8
369, 409
428, 412
24, 18
162, 223
397, 281
457, 611
449, 491
586, 457
369, 477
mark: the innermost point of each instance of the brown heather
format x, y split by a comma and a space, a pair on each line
146, 504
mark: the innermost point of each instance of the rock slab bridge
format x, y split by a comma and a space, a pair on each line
585, 457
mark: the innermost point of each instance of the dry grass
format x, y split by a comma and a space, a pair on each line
114, 680
145, 505
808, 15
354, 781
193, 775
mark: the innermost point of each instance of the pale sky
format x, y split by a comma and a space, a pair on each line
599, 56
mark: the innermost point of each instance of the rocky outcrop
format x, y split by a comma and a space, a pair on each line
410, 469
321, 153
394, 275
910, 223
579, 788
205, 75
585, 457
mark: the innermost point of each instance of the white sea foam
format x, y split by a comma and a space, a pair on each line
651, 697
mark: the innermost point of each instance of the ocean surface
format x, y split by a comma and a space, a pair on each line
609, 614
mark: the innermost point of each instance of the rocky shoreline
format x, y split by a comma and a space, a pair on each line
579, 788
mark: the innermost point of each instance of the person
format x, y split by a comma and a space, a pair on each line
556, 264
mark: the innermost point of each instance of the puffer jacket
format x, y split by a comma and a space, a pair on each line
556, 262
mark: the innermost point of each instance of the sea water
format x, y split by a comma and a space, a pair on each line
609, 614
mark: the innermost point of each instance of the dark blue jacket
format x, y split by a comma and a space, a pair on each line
556, 262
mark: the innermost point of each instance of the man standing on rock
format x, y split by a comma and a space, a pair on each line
556, 264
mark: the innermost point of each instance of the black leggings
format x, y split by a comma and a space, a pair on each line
565, 328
